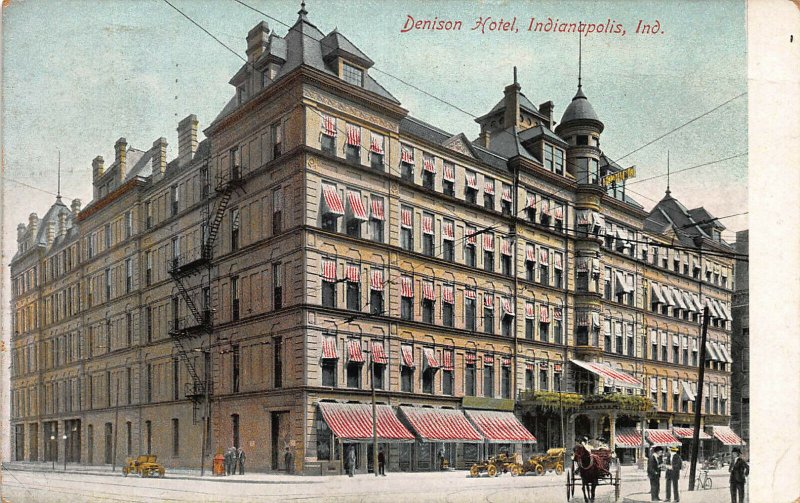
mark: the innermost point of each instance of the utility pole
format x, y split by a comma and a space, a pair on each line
698, 403
374, 419
116, 434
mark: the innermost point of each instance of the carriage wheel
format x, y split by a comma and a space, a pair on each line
559, 469
569, 486
474, 471
491, 470
516, 470
539, 470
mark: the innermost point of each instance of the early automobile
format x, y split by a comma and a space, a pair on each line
145, 465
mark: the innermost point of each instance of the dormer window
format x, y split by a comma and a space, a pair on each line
240, 94
352, 74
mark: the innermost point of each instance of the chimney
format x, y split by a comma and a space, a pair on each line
51, 232
62, 223
187, 139
120, 152
546, 109
33, 224
21, 233
75, 207
98, 167
256, 41
511, 92
484, 137
159, 157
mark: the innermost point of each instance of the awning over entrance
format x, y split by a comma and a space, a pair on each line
353, 422
612, 376
500, 427
441, 425
686, 433
727, 436
662, 437
628, 438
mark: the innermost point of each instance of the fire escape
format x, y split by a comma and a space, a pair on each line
184, 270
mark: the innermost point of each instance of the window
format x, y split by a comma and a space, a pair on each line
235, 367
204, 182
128, 224
376, 291
234, 298
558, 325
544, 323
407, 298
544, 266
428, 376
488, 193
471, 187
352, 74
328, 137
176, 250
356, 213
277, 286
448, 243
376, 155
529, 321
529, 376
107, 239
407, 368
176, 377
428, 235
277, 210
128, 275
128, 329
277, 362
354, 373
407, 163
353, 287
506, 199
353, 144
488, 252
557, 378
448, 181
428, 297
428, 172
488, 376
329, 282
542, 378
505, 257
240, 94
469, 310
148, 389
148, 274
149, 322
631, 344
607, 291
276, 133
407, 228
447, 372
377, 375
329, 371
234, 229
507, 322
505, 379
448, 304
469, 247
235, 164
488, 313
376, 219
469, 374
558, 275
618, 334
148, 427
174, 198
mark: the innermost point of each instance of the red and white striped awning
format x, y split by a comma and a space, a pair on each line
681, 433
530, 366
488, 242
583, 319
530, 253
530, 312
328, 270
557, 261
353, 273
488, 186
508, 309
488, 359
628, 438
662, 437
378, 353
531, 199
430, 358
447, 360
448, 295
406, 218
376, 280
558, 213
448, 230
507, 193
354, 353
427, 224
500, 427
612, 376
376, 143
544, 314
545, 207
440, 425
557, 367
558, 313
428, 164
488, 300
356, 205
544, 256
543, 365
470, 235
449, 171
328, 125
505, 361
470, 357
505, 247
329, 348
727, 436
472, 180
406, 287
353, 422
377, 210
407, 154
333, 203
354, 135
427, 290
407, 353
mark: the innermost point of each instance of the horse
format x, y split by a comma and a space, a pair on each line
592, 468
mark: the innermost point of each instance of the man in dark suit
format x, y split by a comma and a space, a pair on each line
673, 474
654, 472
739, 471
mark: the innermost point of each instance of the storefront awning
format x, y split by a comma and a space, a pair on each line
628, 438
500, 427
440, 425
612, 376
727, 436
662, 437
353, 422
686, 392
686, 433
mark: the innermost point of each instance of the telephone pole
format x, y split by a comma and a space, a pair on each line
698, 400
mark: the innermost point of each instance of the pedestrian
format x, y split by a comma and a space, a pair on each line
440, 458
673, 474
288, 459
654, 472
381, 462
739, 470
351, 461
228, 462
240, 457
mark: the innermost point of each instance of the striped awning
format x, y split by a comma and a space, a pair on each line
628, 438
508, 309
376, 280
406, 287
469, 293
428, 292
488, 359
544, 256
488, 186
447, 360
678, 296
690, 305
407, 353
488, 242
500, 427
470, 357
377, 209
622, 283
656, 296
378, 353
613, 377
354, 353
406, 218
328, 270
683, 433
448, 295
376, 143
470, 235
353, 135
662, 437
472, 180
530, 312
353, 273
724, 349
440, 425
727, 436
333, 203
353, 422
558, 213
531, 201
430, 358
406, 154
505, 247
427, 224
448, 230
329, 348
544, 314
488, 300
428, 164
530, 253
506, 193
328, 125
449, 171
558, 261
686, 392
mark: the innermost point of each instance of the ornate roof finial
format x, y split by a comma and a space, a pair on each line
580, 55
515, 74
302, 10
58, 193
668, 192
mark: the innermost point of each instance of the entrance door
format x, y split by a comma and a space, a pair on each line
109, 437
90, 444
19, 442
279, 438
72, 429
33, 447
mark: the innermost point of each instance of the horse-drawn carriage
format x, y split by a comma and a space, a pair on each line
497, 465
598, 467
540, 464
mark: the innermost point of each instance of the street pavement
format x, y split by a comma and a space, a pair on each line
37, 482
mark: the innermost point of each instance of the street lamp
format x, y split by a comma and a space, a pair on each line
65, 451
53, 447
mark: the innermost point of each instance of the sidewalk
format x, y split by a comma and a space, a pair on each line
717, 494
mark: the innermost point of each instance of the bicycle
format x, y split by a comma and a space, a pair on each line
703, 481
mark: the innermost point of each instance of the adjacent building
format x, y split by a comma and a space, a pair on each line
322, 242
740, 340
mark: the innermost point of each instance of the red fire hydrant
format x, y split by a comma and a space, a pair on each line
219, 464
